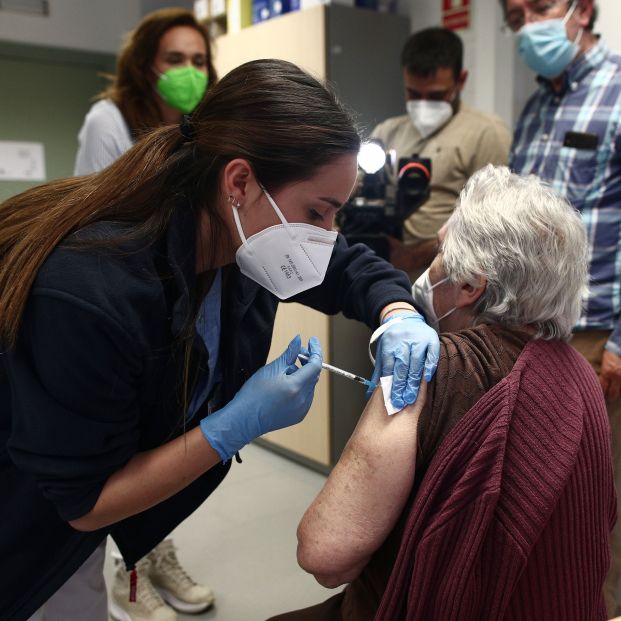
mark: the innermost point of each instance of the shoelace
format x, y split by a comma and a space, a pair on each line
145, 591
169, 564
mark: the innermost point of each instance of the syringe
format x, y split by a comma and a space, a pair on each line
341, 372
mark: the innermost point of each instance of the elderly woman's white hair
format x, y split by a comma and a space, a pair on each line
530, 245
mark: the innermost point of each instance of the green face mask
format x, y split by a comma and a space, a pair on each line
182, 88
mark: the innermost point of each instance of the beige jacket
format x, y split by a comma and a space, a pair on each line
469, 141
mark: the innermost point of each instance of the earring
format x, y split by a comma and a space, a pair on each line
233, 202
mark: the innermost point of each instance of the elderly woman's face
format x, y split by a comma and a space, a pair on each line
443, 293
452, 302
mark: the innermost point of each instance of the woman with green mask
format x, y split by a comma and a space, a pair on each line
163, 72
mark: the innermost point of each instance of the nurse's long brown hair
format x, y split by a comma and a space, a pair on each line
282, 120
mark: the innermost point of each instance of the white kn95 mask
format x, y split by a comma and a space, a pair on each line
286, 258
429, 116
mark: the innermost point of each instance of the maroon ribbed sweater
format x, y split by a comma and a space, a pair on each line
512, 518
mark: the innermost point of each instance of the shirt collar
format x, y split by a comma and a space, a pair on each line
579, 68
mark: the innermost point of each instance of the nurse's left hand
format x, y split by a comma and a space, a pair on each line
408, 350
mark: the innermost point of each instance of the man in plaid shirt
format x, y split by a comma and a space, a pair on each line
569, 134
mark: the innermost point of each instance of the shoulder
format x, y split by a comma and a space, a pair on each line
483, 354
474, 360
608, 80
554, 361
610, 57
471, 363
103, 138
391, 125
477, 120
81, 265
399, 133
119, 284
476, 115
104, 122
104, 112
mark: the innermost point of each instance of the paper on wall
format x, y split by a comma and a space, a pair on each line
22, 161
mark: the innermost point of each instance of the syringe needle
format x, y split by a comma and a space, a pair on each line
341, 372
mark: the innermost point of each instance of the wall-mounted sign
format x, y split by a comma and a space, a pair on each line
22, 161
456, 14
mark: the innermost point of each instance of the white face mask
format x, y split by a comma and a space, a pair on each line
429, 116
422, 292
286, 258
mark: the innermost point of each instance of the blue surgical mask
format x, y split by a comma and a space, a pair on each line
544, 45
285, 258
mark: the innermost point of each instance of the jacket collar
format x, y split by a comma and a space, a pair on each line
180, 249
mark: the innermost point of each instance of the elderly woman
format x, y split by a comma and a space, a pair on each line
494, 499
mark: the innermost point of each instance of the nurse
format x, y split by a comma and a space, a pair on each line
136, 311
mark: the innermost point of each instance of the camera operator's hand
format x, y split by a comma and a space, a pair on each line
408, 350
412, 257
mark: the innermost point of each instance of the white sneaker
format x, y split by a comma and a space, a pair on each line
174, 584
149, 606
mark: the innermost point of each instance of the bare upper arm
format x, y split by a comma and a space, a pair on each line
364, 495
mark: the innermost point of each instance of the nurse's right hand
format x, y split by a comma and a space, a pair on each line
277, 395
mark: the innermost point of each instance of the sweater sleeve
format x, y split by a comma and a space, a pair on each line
75, 417
359, 284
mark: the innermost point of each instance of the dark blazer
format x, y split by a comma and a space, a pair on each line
95, 377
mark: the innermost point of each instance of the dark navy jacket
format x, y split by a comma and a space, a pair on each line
95, 378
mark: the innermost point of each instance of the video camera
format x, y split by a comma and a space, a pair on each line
385, 198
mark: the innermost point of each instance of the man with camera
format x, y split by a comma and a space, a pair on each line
438, 125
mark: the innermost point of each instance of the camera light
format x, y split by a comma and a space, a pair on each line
371, 157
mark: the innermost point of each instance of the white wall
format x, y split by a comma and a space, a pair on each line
422, 13
609, 23
93, 25
498, 81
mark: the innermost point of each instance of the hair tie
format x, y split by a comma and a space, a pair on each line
187, 128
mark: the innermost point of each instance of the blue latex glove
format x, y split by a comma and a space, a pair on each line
277, 395
408, 349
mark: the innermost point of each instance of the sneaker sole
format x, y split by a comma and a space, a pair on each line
117, 613
179, 605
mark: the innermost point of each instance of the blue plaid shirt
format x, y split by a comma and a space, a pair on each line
590, 178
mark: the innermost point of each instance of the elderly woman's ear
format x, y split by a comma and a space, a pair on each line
469, 294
